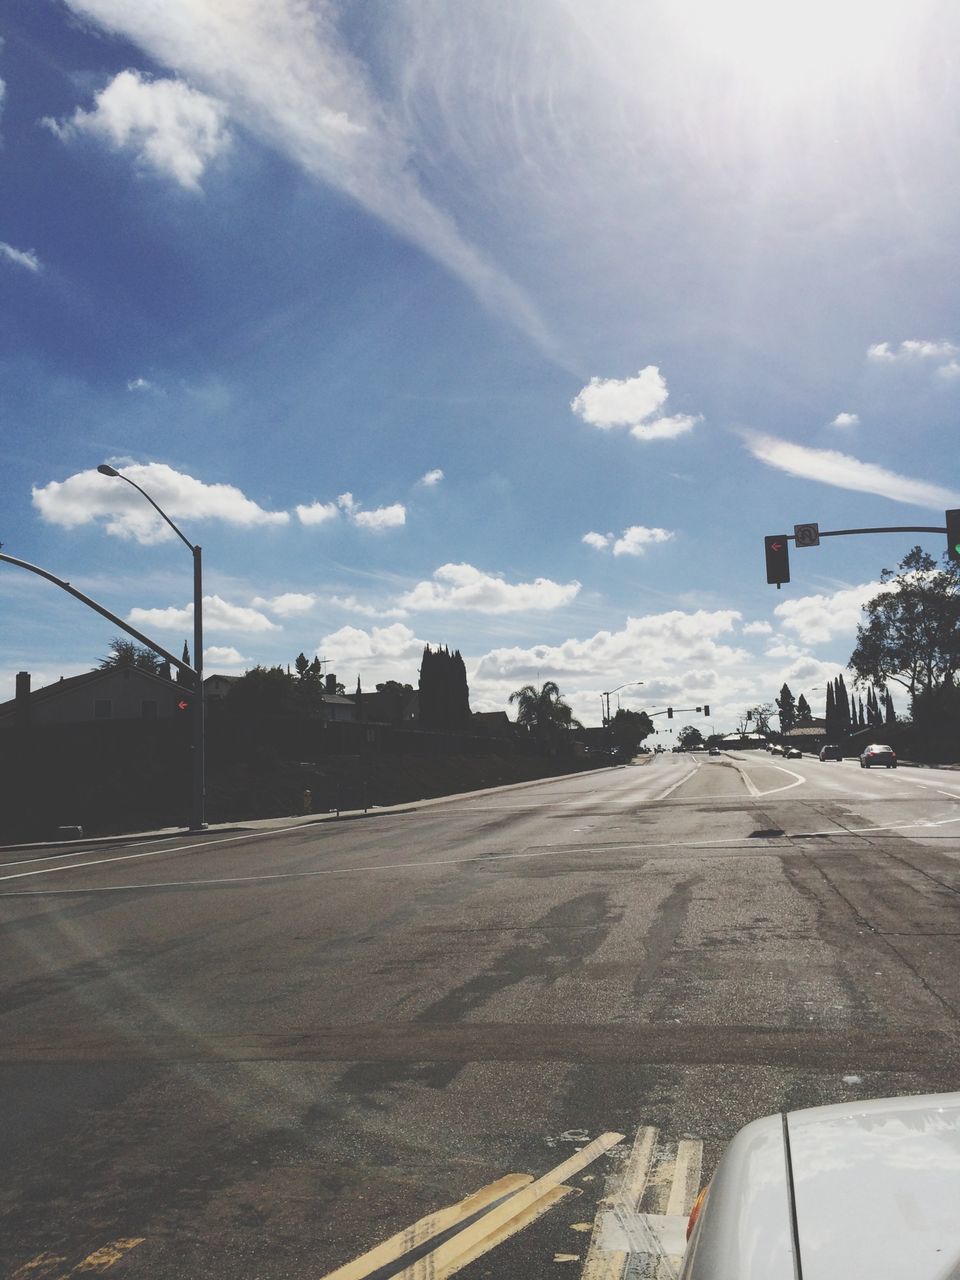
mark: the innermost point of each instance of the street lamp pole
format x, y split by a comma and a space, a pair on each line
198, 807
606, 694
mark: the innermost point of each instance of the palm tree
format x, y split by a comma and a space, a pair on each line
543, 711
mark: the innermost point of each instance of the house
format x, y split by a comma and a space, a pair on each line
114, 693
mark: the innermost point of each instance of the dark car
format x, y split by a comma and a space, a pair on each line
831, 752
713, 751
876, 753
792, 753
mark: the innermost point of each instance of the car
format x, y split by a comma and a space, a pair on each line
878, 753
830, 751
854, 1189
792, 753
713, 751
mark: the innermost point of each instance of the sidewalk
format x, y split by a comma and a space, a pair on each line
291, 821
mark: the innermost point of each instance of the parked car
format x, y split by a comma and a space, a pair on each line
858, 1189
877, 753
713, 751
830, 751
793, 753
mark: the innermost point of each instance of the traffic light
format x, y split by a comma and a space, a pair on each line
778, 559
953, 535
706, 708
669, 713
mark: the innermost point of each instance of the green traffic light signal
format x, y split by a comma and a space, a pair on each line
953, 535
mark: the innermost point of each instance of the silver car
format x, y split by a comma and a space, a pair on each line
867, 1189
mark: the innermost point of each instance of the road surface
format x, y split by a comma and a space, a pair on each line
262, 1054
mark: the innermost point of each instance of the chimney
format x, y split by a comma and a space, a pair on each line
21, 716
331, 683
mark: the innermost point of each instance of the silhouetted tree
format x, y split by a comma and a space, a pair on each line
126, 653
444, 695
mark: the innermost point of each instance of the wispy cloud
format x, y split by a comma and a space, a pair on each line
432, 478
25, 258
171, 128
635, 403
461, 586
87, 497
828, 466
223, 656
911, 349
846, 420
285, 73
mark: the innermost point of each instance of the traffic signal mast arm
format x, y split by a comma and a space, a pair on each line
808, 535
890, 528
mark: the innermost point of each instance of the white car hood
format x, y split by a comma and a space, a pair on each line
877, 1188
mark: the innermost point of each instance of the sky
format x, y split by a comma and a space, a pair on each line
512, 328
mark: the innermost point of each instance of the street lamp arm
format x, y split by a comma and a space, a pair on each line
111, 617
106, 470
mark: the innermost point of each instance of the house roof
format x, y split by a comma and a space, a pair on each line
67, 684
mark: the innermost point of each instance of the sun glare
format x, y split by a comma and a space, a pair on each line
787, 50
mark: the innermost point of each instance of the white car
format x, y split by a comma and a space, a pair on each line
863, 1189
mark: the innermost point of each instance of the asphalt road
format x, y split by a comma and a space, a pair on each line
262, 1054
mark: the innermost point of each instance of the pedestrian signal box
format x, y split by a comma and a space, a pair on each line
778, 559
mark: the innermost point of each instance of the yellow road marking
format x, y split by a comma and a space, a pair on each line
625, 1191
482, 1235
686, 1182
102, 1259
480, 1247
37, 1267
428, 1227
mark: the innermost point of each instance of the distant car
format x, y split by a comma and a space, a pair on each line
713, 751
857, 1189
877, 753
831, 752
793, 753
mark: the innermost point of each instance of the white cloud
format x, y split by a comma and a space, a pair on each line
391, 517
846, 420
657, 643
395, 644
20, 257
352, 605
598, 540
461, 586
666, 428
172, 128
317, 513
912, 350
821, 618
140, 384
844, 472
431, 478
632, 402
613, 402
284, 72
218, 615
290, 604
635, 540
223, 656
950, 370
88, 496
757, 629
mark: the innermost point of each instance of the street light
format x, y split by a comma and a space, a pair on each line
606, 694
198, 808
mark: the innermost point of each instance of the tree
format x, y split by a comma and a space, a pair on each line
629, 728
394, 686
787, 709
911, 635
690, 737
760, 715
544, 712
830, 711
125, 653
444, 695
804, 714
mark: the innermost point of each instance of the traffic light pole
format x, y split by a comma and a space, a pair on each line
778, 562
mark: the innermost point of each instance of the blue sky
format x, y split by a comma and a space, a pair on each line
512, 328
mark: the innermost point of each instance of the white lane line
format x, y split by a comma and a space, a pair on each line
152, 853
643, 848
77, 853
755, 791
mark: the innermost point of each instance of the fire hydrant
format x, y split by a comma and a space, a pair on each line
307, 801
